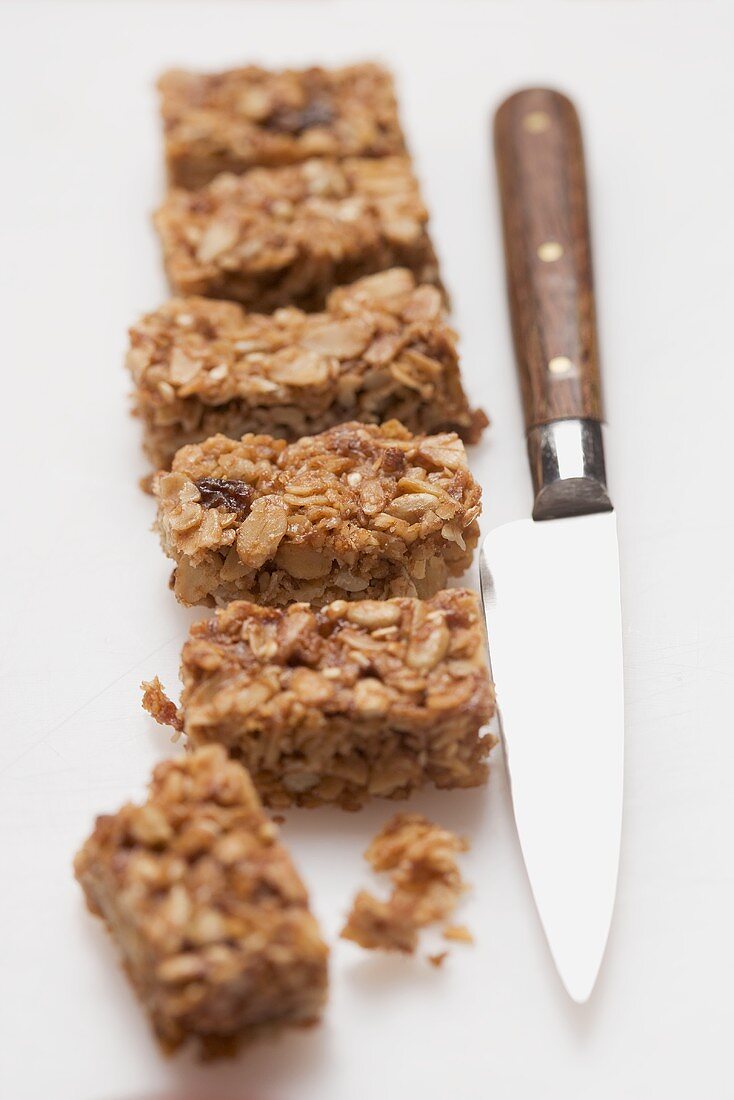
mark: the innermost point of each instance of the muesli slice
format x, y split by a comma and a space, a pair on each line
358, 699
206, 908
243, 118
357, 512
383, 349
287, 236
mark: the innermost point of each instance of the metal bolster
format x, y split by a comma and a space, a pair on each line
567, 466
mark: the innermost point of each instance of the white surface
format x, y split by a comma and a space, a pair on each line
551, 594
88, 615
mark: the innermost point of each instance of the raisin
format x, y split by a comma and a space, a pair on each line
347, 443
235, 496
294, 120
393, 461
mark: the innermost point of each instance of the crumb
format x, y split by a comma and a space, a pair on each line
278, 819
458, 933
160, 707
438, 959
380, 925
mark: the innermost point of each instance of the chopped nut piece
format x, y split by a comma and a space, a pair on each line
379, 925
294, 373
325, 706
287, 236
427, 884
236, 120
208, 912
308, 535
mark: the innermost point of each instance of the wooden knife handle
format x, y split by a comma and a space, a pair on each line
540, 163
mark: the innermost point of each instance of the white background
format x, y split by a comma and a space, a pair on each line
87, 614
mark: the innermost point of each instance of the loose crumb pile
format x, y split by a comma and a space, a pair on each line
427, 885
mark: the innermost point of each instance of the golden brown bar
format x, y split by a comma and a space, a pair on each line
357, 512
206, 908
358, 699
243, 118
287, 236
382, 350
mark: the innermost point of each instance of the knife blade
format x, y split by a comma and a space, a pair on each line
550, 584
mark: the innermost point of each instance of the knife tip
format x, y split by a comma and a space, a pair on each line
579, 982
579, 994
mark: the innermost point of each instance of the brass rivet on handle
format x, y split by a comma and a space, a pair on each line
560, 364
549, 251
536, 122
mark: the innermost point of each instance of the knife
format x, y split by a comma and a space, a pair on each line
550, 584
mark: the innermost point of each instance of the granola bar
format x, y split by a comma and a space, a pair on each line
358, 699
206, 908
357, 512
243, 118
382, 350
426, 884
286, 236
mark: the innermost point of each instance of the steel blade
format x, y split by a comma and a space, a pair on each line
551, 594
